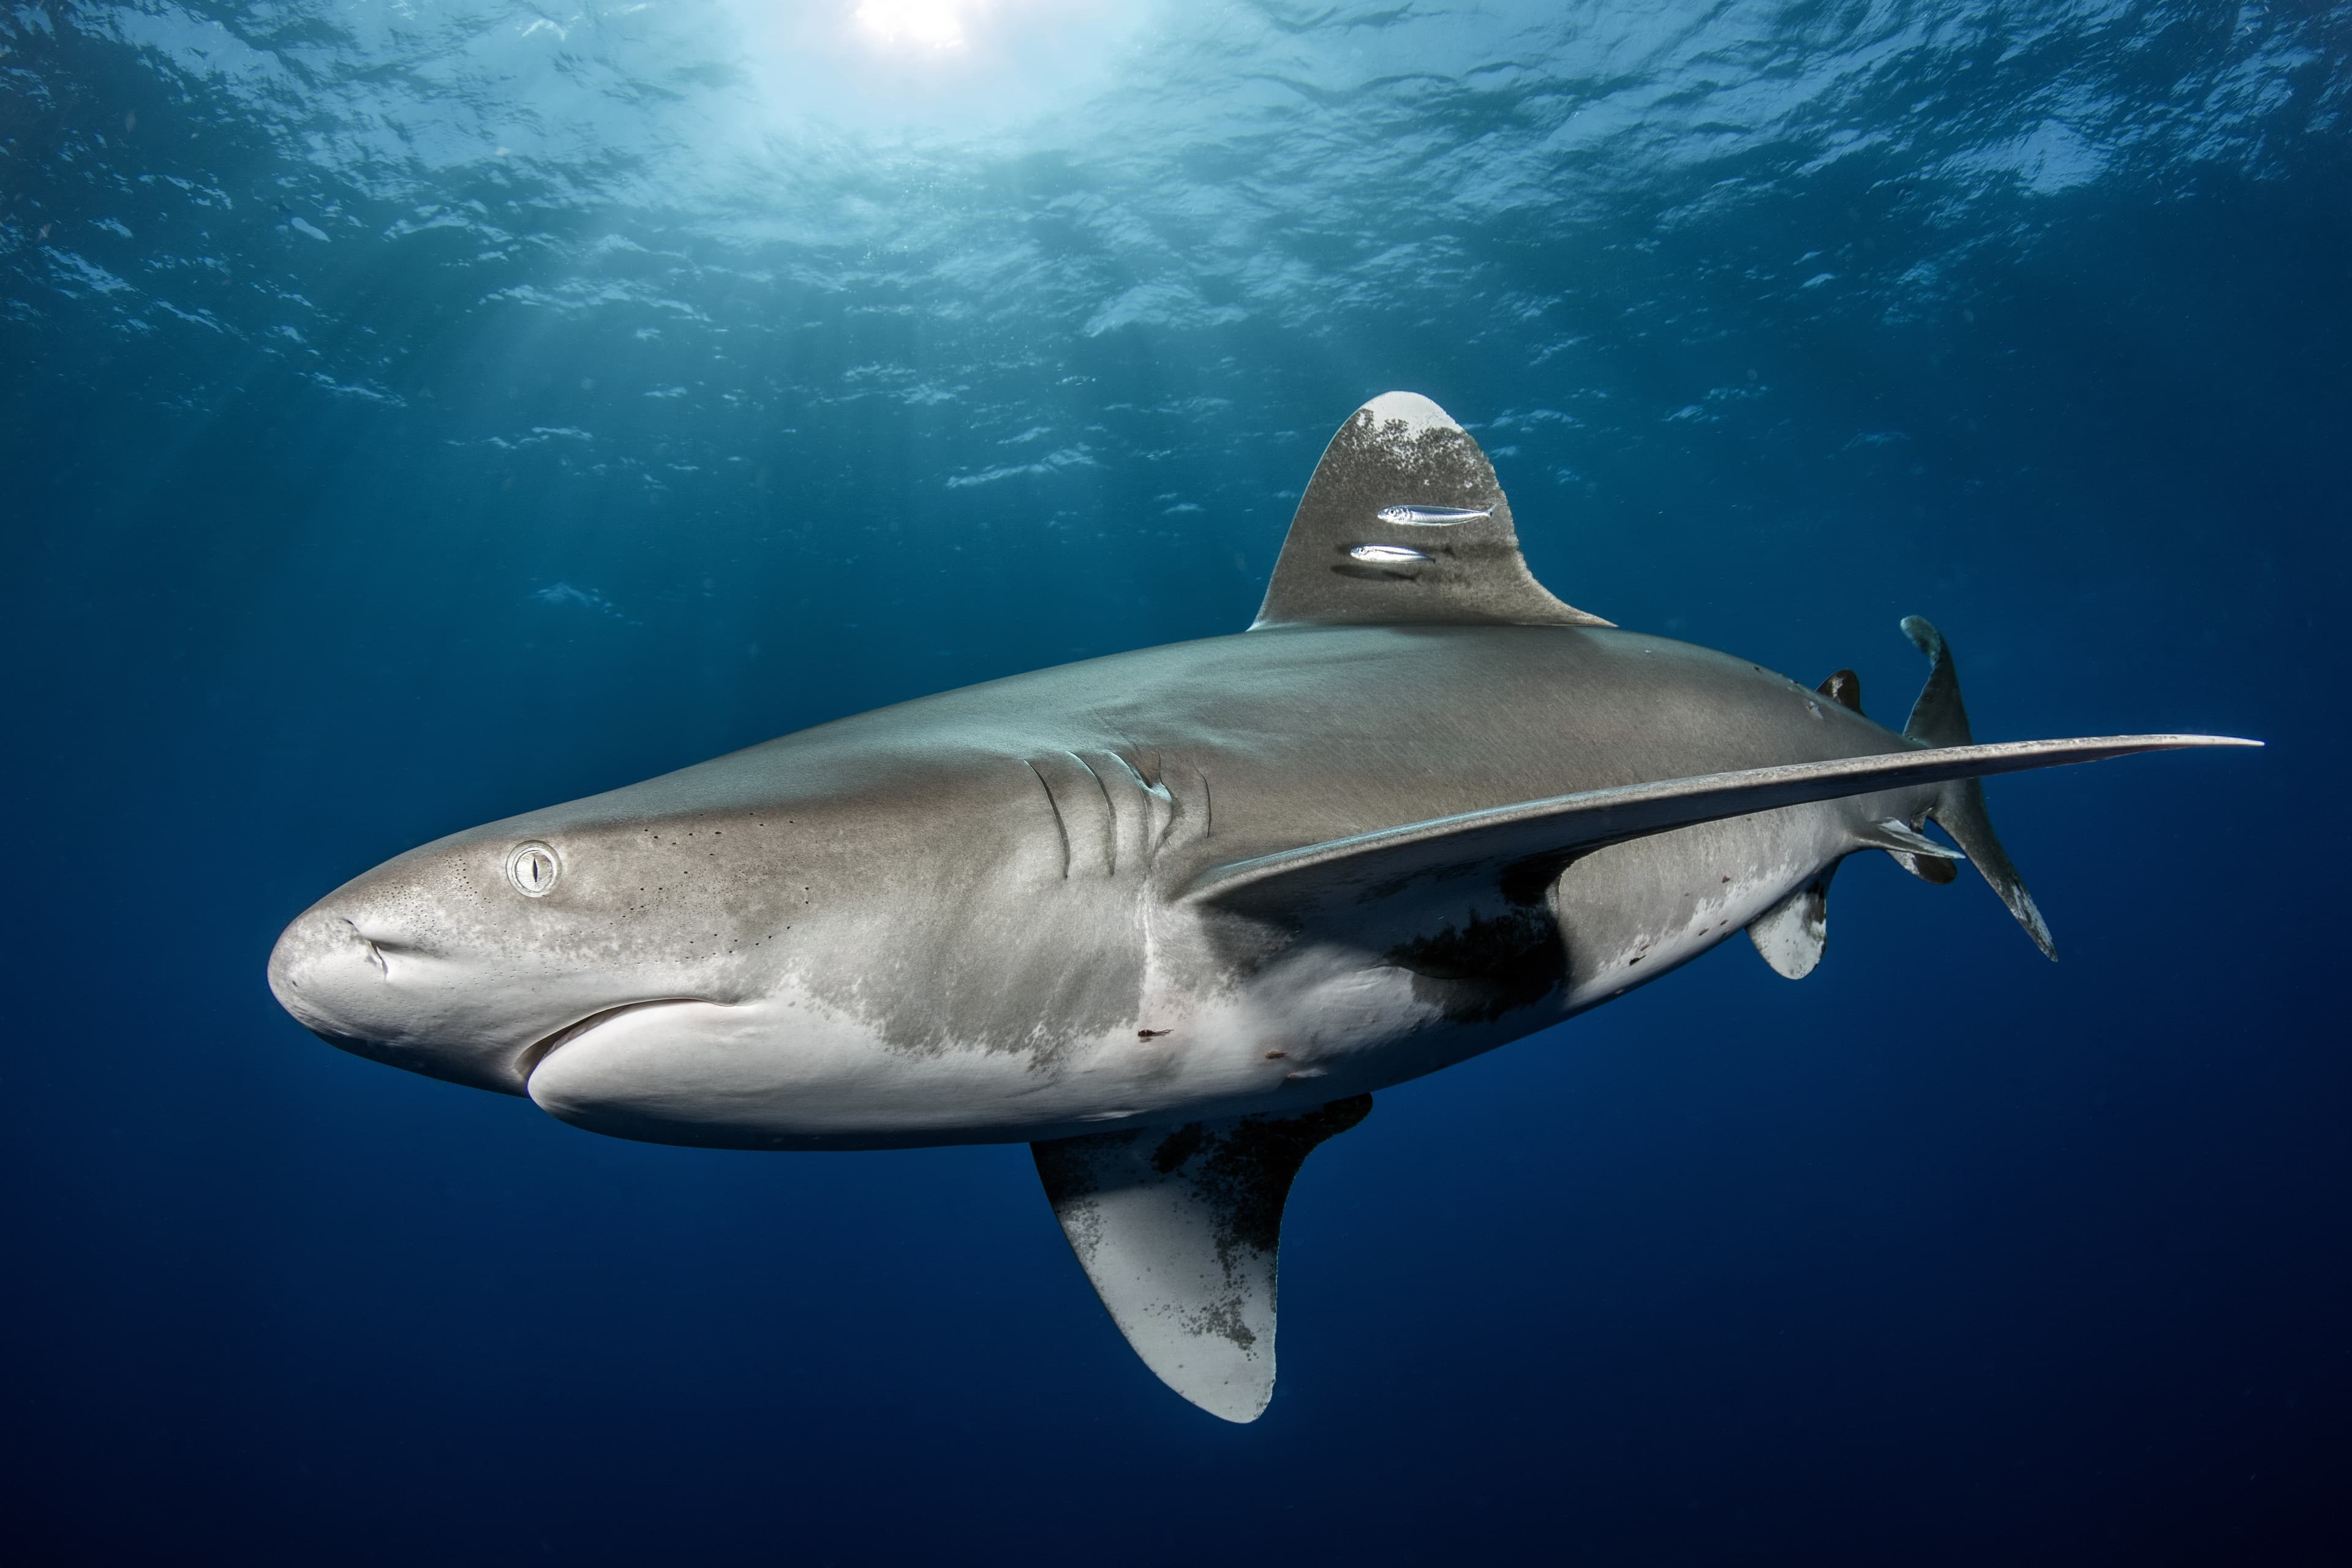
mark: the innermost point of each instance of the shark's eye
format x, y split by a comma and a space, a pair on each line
532, 869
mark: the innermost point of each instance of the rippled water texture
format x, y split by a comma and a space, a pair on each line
415, 413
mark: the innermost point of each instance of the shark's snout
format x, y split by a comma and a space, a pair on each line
359, 986
329, 973
473, 958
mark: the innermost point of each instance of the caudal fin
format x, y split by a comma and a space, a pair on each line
1940, 719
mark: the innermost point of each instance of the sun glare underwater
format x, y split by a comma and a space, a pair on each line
418, 413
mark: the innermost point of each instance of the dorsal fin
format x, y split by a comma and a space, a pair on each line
1178, 1228
1843, 687
1404, 523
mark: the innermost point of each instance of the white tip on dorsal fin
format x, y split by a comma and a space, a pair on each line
1178, 1229
1404, 523
1417, 414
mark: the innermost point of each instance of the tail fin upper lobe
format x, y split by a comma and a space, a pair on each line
1940, 719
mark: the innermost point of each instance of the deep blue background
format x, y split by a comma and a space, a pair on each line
413, 415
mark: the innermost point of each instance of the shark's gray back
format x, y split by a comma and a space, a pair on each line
1278, 738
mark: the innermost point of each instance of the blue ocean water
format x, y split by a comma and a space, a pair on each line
417, 412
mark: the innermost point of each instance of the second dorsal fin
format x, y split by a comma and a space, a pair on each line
1404, 523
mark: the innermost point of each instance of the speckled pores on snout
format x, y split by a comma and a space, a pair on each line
470, 958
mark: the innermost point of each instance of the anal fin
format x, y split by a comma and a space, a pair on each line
1178, 1229
1792, 934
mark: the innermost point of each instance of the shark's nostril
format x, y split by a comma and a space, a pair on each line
370, 948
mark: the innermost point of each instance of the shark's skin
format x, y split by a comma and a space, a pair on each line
1217, 891
957, 921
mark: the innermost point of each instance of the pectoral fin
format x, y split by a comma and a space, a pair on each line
1550, 832
1178, 1228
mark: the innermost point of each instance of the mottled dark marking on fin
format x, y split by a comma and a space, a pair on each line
1178, 1229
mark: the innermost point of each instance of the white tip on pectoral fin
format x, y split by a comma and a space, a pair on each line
1178, 1229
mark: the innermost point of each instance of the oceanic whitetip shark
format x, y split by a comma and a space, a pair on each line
1170, 917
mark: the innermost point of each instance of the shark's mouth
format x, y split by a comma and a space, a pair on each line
527, 1061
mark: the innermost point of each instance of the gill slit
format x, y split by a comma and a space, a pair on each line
1055, 806
1111, 837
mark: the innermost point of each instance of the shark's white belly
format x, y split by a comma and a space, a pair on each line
788, 1071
